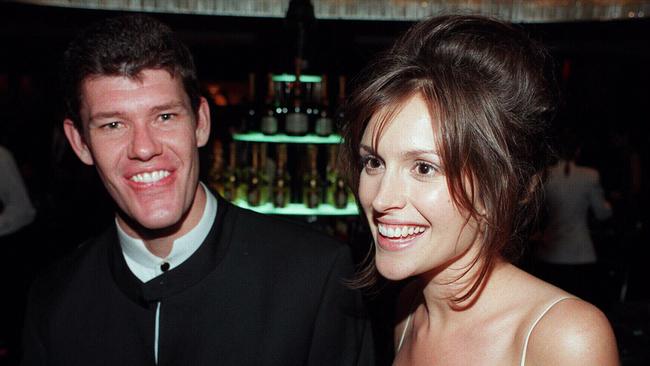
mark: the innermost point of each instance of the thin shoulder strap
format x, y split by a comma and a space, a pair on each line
408, 322
530, 331
401, 339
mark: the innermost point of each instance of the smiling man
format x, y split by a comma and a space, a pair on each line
142, 135
181, 277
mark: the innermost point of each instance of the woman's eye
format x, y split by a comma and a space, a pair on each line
423, 168
370, 163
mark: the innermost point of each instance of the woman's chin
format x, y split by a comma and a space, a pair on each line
393, 271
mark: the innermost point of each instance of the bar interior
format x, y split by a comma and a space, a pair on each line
275, 73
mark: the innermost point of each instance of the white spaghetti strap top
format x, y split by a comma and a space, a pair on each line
406, 326
530, 331
408, 322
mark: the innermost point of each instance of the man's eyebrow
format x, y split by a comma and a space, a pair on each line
168, 106
106, 115
155, 109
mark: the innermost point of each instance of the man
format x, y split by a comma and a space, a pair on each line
182, 277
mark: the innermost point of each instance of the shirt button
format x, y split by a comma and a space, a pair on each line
164, 267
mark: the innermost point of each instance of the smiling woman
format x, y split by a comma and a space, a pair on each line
405, 196
448, 127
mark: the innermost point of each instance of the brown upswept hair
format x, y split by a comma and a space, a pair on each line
490, 87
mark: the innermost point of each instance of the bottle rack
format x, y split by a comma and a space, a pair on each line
280, 98
298, 208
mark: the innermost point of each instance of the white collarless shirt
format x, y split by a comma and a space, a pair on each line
146, 266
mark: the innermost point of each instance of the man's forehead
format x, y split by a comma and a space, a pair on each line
126, 78
117, 93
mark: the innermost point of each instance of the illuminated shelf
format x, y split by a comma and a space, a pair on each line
298, 209
286, 139
289, 78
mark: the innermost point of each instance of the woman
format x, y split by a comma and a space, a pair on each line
444, 143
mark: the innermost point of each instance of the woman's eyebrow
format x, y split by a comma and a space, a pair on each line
418, 152
367, 149
405, 154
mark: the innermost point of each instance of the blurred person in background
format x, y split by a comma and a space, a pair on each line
16, 209
565, 254
16, 214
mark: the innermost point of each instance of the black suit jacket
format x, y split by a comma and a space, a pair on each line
258, 291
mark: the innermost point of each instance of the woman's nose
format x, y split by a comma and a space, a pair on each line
391, 193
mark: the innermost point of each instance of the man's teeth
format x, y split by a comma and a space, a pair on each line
399, 231
150, 177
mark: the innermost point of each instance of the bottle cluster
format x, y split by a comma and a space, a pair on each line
262, 173
293, 105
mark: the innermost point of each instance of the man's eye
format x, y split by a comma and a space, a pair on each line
112, 125
167, 116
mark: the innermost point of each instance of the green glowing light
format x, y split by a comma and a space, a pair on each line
288, 78
286, 139
301, 210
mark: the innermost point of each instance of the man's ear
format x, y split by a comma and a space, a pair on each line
77, 142
202, 123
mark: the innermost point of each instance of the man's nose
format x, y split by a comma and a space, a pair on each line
144, 144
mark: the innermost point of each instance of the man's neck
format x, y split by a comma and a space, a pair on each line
159, 247
161, 241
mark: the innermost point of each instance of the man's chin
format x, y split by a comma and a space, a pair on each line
157, 225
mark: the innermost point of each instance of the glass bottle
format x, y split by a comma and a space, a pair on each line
281, 191
269, 121
324, 123
297, 121
331, 173
264, 174
231, 180
254, 182
249, 108
215, 174
311, 185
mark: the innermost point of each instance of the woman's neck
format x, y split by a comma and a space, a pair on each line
440, 290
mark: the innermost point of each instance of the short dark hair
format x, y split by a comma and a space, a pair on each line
489, 85
124, 46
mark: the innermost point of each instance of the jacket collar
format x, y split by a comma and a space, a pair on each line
204, 260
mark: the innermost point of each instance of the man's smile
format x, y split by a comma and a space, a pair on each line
150, 177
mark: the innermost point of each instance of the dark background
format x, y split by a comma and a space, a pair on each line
602, 67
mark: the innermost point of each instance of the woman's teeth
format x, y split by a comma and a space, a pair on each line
399, 231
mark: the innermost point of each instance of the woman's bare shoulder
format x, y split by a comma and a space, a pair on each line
572, 332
